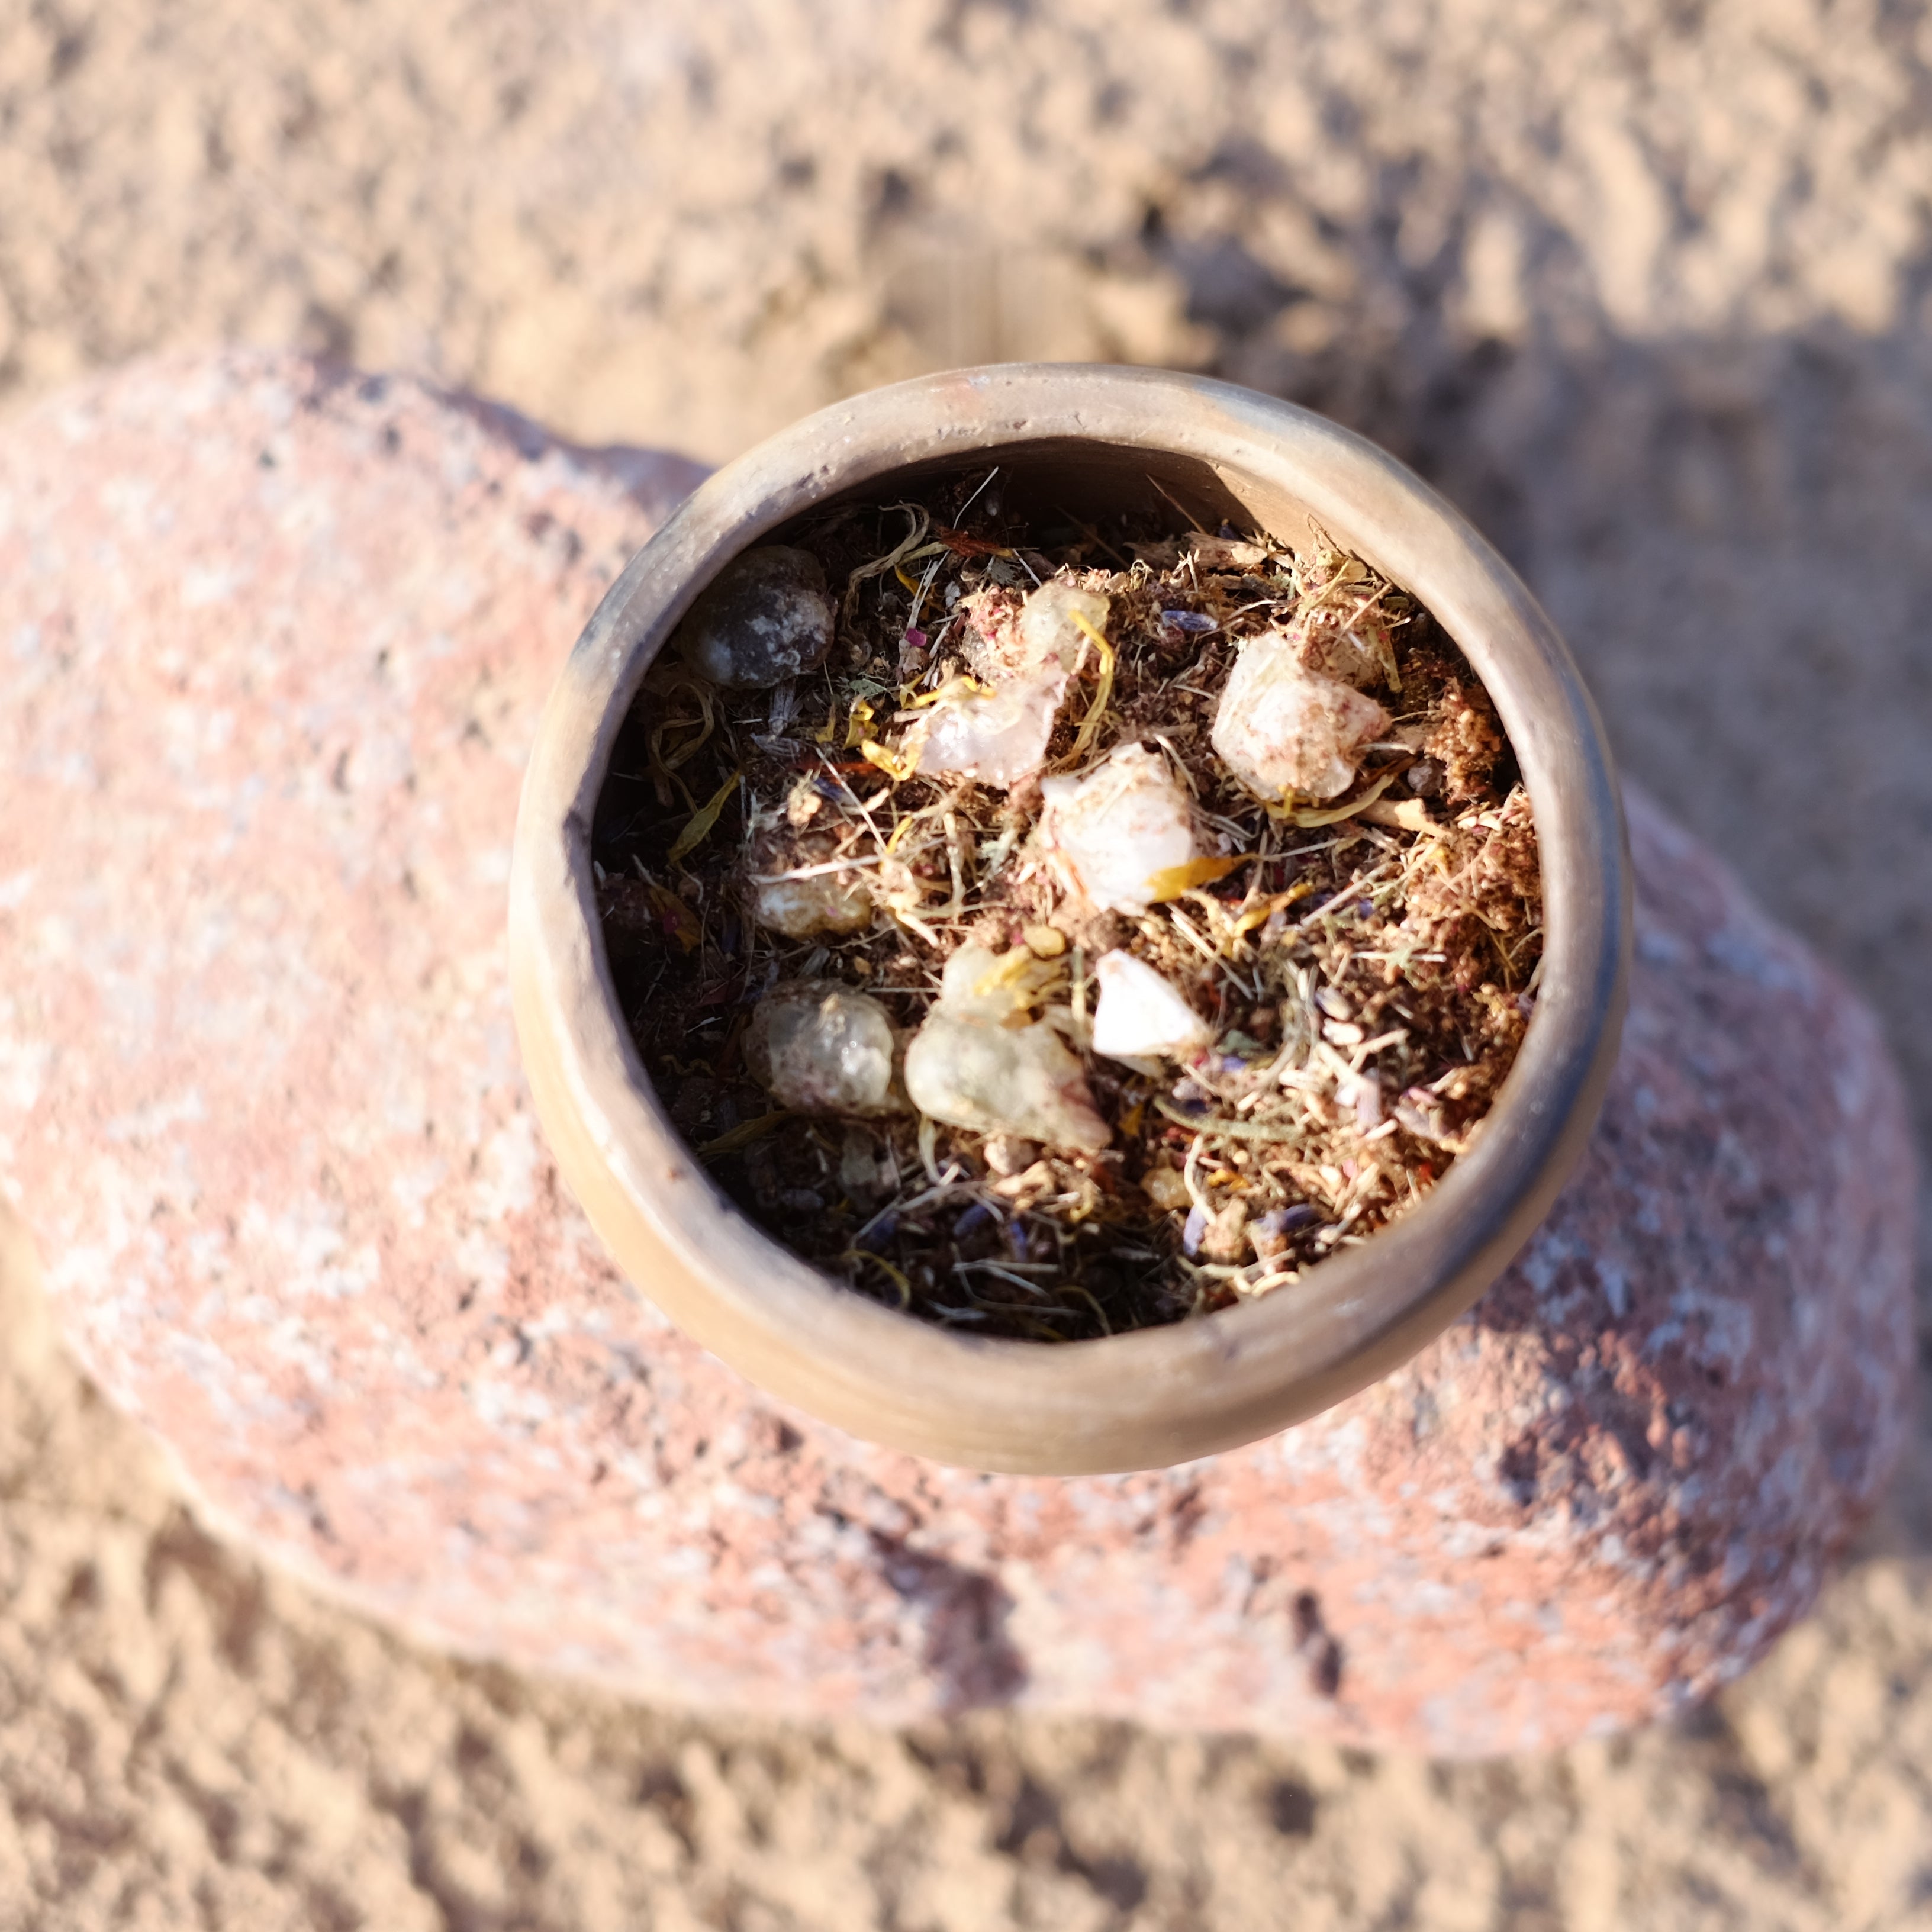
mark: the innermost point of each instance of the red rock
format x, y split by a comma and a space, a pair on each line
272, 644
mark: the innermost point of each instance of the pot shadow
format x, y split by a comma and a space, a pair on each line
1730, 527
1731, 535
1731, 532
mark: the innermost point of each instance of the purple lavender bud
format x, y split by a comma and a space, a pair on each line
1196, 1231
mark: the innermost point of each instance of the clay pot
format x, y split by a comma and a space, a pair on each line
1086, 439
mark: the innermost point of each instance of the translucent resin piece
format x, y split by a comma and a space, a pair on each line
994, 1080
822, 1049
1114, 830
971, 1066
1043, 635
1050, 632
1141, 1013
833, 902
1282, 729
979, 984
998, 736
796, 886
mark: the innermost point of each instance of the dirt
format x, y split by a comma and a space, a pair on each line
1641, 286
1363, 968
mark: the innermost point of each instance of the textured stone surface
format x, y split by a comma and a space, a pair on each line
271, 644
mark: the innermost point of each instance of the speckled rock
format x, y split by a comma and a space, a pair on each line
272, 644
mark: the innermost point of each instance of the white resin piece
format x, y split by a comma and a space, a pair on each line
1112, 831
979, 984
998, 736
795, 884
1000, 1080
1281, 729
1042, 636
1141, 1013
1049, 632
969, 1065
829, 902
822, 1049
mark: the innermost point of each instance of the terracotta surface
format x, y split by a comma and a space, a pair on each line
275, 642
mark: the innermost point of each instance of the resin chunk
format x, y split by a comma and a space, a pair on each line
978, 984
1043, 635
998, 731
1141, 1013
833, 902
1112, 831
998, 736
1050, 632
970, 1066
822, 1049
795, 884
1283, 729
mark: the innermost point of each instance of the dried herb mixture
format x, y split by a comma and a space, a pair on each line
788, 864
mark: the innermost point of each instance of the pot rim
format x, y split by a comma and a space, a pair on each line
1150, 1397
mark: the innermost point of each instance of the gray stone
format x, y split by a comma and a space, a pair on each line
766, 616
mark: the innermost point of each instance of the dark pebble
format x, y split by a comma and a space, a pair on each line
767, 616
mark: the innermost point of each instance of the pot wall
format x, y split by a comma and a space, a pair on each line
1155, 1397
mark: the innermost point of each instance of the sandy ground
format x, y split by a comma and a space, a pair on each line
1646, 287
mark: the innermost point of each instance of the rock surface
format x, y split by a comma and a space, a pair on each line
272, 642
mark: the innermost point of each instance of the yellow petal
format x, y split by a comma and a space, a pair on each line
697, 827
1308, 817
1103, 692
743, 1135
891, 763
1172, 880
